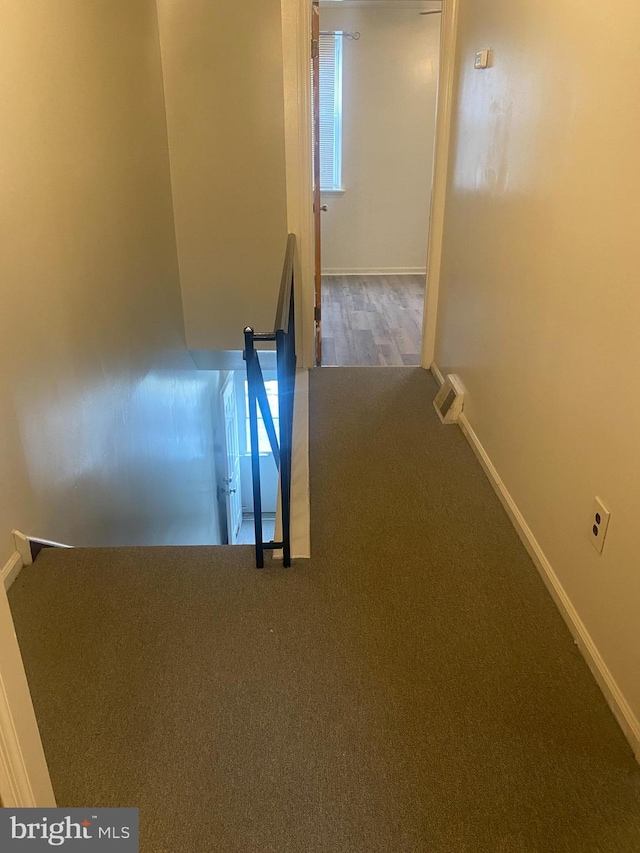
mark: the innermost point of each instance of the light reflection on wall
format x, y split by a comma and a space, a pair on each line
105, 424
115, 467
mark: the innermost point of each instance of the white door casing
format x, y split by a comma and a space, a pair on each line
231, 485
24, 776
444, 110
296, 31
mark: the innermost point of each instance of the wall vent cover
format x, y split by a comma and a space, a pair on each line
449, 400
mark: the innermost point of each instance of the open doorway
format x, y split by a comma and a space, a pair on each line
235, 492
375, 85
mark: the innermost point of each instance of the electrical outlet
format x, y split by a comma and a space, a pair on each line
600, 516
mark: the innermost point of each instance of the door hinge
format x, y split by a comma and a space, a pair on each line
317, 314
315, 48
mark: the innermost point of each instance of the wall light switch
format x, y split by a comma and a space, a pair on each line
482, 59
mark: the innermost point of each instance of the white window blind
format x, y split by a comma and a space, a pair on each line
330, 84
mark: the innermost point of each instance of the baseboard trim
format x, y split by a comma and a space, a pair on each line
437, 375
30, 546
621, 709
375, 271
11, 569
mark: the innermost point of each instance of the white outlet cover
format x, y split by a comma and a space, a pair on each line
599, 523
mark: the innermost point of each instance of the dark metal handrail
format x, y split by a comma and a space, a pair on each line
284, 335
285, 296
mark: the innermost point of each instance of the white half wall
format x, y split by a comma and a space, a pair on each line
300, 487
539, 298
390, 76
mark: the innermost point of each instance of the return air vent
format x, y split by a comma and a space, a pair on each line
449, 400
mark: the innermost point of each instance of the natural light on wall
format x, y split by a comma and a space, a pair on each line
330, 118
264, 446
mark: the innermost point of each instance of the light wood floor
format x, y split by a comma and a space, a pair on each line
372, 319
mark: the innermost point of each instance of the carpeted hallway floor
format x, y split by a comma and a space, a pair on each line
412, 689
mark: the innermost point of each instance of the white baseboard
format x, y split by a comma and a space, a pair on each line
300, 502
22, 555
437, 375
11, 569
375, 271
621, 709
23, 547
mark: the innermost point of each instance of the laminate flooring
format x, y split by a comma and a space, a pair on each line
372, 320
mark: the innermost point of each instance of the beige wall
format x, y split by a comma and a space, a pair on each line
103, 419
225, 109
540, 299
389, 90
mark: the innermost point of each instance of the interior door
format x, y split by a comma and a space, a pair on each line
317, 210
231, 487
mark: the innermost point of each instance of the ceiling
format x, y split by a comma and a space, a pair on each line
400, 4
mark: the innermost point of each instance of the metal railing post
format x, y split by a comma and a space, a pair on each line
250, 356
285, 444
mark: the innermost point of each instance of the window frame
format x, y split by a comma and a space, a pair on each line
337, 123
244, 441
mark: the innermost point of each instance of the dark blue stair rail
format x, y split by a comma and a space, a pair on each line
284, 335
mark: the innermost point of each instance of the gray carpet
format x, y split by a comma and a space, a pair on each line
412, 688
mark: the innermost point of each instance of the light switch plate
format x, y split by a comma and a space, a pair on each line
482, 59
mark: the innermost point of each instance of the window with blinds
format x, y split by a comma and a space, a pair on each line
330, 85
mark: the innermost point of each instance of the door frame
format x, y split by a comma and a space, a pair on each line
444, 111
296, 42
317, 198
296, 48
229, 389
